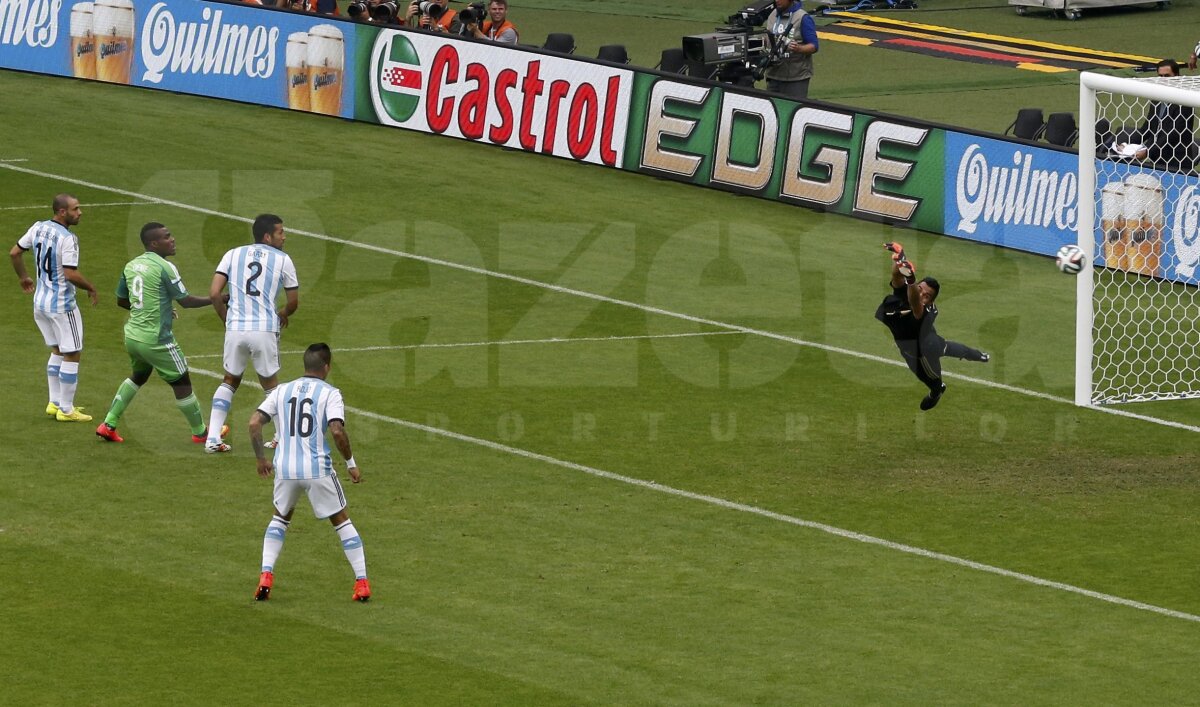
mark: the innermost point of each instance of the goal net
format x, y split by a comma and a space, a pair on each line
1138, 304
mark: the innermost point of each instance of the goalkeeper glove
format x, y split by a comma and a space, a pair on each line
896, 249
907, 270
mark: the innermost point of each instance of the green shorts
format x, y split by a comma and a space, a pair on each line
166, 359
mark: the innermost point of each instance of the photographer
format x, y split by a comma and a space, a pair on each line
434, 15
495, 29
790, 25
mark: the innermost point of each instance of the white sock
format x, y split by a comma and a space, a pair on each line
222, 400
68, 380
53, 366
273, 542
352, 546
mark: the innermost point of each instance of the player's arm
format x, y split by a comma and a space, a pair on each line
18, 262
342, 439
291, 303
914, 301
257, 420
194, 302
214, 294
77, 279
123, 293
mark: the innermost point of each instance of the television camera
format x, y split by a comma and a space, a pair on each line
740, 51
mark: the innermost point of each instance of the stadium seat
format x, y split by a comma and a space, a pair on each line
1061, 129
560, 42
673, 61
1028, 125
613, 52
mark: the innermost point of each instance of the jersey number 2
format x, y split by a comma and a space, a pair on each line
255, 271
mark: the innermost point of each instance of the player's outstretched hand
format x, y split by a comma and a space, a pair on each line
896, 249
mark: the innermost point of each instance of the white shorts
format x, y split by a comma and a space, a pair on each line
325, 494
62, 330
260, 346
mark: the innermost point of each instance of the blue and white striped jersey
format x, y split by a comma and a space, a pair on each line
302, 410
54, 248
256, 273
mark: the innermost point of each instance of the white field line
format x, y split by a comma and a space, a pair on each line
603, 298
465, 344
755, 510
15, 159
88, 206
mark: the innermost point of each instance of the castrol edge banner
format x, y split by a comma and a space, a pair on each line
234, 51
496, 94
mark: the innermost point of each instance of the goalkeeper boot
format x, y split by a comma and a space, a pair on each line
929, 401
984, 357
51, 410
362, 590
108, 433
265, 581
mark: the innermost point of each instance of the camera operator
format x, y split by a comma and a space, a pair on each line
497, 28
790, 24
434, 15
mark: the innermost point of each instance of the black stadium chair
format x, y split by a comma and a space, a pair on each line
1028, 125
1061, 129
560, 42
613, 52
673, 61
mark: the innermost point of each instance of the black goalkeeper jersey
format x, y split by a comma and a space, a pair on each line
896, 314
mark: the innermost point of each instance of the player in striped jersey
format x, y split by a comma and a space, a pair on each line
148, 288
304, 410
255, 275
56, 255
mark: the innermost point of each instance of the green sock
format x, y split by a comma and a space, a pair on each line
121, 401
190, 407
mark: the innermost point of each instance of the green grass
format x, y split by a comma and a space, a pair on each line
502, 579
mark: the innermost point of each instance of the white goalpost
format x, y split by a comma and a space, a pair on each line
1137, 333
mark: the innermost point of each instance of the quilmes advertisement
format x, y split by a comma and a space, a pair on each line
221, 50
1148, 222
495, 94
818, 156
1010, 194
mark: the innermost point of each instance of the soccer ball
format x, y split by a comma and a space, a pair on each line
1070, 259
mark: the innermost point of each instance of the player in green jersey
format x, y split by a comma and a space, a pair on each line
149, 287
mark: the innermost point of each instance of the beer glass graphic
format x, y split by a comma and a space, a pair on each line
326, 55
1112, 225
1144, 222
297, 71
83, 42
112, 24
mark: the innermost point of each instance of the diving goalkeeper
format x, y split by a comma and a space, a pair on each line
909, 312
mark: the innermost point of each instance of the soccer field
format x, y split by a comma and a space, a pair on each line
624, 441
